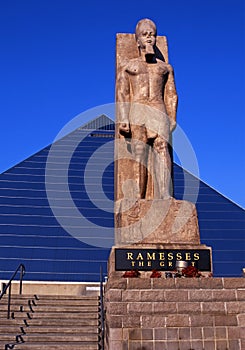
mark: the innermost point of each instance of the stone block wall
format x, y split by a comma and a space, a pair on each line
175, 314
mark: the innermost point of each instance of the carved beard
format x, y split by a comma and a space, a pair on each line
149, 53
149, 49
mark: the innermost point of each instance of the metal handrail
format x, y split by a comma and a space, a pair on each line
101, 311
8, 286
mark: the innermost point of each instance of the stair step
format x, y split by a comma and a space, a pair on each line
60, 337
65, 303
78, 308
64, 329
53, 308
59, 322
4, 329
11, 322
59, 315
66, 298
55, 346
46, 314
50, 296
9, 337
10, 329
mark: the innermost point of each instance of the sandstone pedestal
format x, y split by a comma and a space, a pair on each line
159, 313
156, 221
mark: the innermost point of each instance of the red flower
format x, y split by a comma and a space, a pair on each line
191, 271
131, 274
155, 274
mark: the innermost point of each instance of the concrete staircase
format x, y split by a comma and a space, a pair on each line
50, 322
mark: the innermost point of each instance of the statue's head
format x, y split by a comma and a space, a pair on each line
145, 33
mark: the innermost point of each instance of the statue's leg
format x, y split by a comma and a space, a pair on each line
140, 153
162, 169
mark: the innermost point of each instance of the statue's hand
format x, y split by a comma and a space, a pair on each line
124, 128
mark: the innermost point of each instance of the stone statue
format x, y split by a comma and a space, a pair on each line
146, 115
145, 210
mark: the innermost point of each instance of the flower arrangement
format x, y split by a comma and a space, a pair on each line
155, 274
131, 274
191, 271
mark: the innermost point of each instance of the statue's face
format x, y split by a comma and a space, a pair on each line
146, 36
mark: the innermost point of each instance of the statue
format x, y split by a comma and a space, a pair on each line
146, 116
145, 210
146, 214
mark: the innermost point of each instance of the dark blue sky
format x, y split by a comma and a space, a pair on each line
58, 60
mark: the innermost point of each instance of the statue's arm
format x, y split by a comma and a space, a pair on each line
171, 98
123, 100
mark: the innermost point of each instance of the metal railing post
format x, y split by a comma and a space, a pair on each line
8, 286
22, 272
9, 300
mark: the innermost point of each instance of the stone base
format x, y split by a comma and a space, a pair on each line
156, 221
172, 314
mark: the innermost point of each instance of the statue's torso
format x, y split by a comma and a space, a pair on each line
147, 81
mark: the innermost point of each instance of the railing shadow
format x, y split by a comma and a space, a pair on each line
101, 325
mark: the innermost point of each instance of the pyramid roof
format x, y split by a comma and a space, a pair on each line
40, 227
